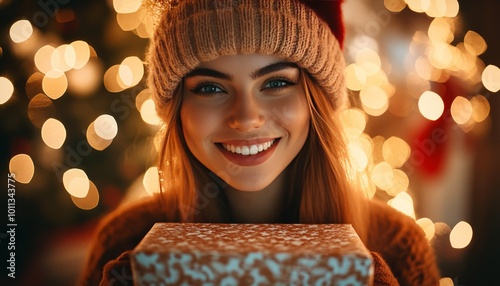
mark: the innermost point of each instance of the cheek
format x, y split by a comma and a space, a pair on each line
197, 122
293, 115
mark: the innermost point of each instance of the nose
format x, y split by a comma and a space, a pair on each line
246, 113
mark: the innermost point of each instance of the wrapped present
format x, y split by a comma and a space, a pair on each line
251, 254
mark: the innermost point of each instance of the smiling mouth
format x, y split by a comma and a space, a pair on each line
247, 150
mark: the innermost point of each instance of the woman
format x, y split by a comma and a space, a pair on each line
250, 93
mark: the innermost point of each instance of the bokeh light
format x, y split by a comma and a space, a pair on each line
82, 54
131, 71
40, 109
151, 181
382, 175
22, 167
90, 201
491, 78
354, 121
96, 141
396, 151
148, 113
403, 202
461, 235
76, 182
374, 100
126, 6
394, 5
461, 110
446, 281
43, 58
431, 105
355, 77
105, 126
21, 31
53, 133
55, 84
6, 89
474, 43
427, 226
480, 108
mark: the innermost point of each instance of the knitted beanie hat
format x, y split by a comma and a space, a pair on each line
309, 33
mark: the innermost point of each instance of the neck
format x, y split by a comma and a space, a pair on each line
262, 206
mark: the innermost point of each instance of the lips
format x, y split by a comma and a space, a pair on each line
248, 153
247, 150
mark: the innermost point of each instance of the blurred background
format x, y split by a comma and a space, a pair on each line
77, 125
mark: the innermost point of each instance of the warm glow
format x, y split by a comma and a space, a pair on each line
358, 156
22, 167
427, 226
76, 182
145, 28
431, 105
382, 175
434, 8
446, 281
97, 142
396, 151
43, 58
400, 183
452, 8
6, 89
63, 58
394, 5
369, 60
415, 5
144, 95
82, 53
126, 6
131, 71
151, 181
441, 55
354, 121
461, 235
374, 99
474, 43
461, 110
40, 109
90, 201
491, 78
86, 80
440, 30
480, 108
403, 203
148, 113
20, 31
130, 21
34, 85
55, 84
53, 133
105, 126
112, 80
355, 77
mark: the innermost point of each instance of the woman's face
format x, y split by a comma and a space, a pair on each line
245, 117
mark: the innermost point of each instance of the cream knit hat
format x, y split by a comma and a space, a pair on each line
192, 31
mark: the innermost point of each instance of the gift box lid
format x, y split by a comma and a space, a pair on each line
173, 253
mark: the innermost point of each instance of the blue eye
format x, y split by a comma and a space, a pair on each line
207, 89
278, 84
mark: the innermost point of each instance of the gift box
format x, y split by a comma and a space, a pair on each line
251, 254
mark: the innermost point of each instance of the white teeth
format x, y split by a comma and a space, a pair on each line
248, 150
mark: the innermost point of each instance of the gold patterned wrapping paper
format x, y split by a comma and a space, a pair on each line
251, 254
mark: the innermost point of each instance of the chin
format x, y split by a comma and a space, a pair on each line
249, 187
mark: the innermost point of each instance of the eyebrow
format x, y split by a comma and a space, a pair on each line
274, 67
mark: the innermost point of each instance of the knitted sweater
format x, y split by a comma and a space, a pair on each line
402, 255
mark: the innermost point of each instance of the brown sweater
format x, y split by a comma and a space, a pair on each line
400, 250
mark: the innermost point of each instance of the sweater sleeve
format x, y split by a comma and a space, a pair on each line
117, 233
403, 246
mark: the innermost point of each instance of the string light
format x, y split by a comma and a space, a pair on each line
6, 90
461, 235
